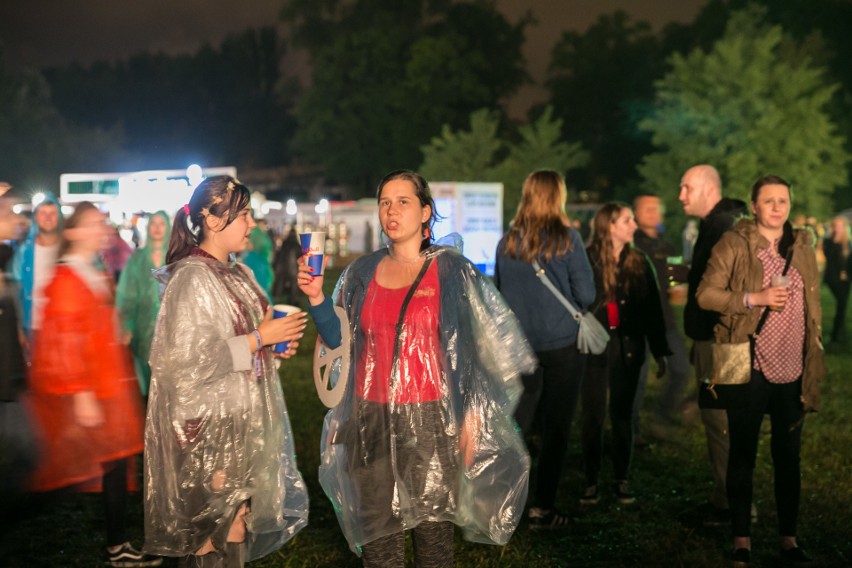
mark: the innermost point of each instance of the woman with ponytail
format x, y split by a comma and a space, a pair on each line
423, 437
628, 302
787, 358
218, 443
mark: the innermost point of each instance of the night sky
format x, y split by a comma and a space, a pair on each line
55, 32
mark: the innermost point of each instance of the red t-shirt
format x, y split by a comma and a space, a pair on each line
420, 376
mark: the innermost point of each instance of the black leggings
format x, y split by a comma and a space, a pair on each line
608, 371
115, 501
547, 406
781, 402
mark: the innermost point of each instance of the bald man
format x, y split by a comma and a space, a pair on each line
701, 196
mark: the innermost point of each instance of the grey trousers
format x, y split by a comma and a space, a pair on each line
715, 427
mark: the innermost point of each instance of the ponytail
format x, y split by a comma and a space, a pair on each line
183, 239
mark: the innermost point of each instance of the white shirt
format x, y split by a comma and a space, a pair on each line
44, 264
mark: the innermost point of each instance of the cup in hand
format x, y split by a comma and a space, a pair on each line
779, 281
282, 311
313, 245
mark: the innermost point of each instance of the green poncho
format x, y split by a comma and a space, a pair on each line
259, 259
138, 302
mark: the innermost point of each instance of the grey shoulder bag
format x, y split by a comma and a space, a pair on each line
592, 337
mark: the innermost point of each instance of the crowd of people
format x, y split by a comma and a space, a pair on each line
164, 355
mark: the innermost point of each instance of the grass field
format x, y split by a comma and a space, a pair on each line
671, 477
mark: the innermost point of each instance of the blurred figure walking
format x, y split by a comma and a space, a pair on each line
285, 287
838, 271
83, 393
35, 260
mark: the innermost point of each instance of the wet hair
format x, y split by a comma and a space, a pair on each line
539, 231
222, 196
601, 249
72, 222
787, 236
424, 195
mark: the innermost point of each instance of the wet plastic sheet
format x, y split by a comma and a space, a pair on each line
217, 434
393, 453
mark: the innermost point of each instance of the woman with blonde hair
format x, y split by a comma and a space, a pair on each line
540, 232
628, 303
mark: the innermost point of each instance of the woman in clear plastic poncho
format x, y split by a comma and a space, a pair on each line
137, 295
221, 484
423, 437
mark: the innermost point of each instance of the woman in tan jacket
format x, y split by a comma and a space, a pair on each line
787, 362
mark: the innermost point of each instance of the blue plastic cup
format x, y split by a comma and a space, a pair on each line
313, 245
282, 311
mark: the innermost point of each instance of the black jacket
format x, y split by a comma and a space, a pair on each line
640, 312
836, 265
697, 323
659, 250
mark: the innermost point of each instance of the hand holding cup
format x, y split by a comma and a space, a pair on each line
309, 283
781, 284
285, 329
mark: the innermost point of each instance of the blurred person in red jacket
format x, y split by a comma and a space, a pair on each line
83, 390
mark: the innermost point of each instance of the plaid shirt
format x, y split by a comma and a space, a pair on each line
780, 346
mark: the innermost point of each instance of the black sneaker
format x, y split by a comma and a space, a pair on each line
741, 558
622, 494
129, 557
590, 496
547, 519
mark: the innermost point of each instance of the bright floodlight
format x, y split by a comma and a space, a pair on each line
38, 198
322, 206
194, 174
291, 207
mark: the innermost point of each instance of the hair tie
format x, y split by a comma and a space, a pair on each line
186, 208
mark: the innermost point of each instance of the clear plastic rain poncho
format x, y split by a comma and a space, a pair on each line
217, 433
391, 451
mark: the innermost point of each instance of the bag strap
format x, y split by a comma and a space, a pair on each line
539, 271
765, 313
397, 345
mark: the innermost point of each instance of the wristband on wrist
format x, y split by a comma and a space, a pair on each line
258, 354
747, 302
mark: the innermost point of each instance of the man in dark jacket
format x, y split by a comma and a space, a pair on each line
701, 196
648, 212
